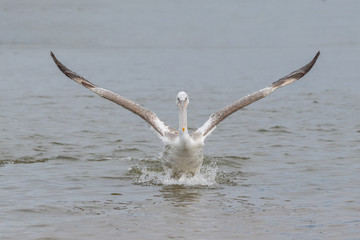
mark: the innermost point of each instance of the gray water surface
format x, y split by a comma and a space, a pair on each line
75, 166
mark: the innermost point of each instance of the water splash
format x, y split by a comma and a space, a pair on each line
215, 172
206, 177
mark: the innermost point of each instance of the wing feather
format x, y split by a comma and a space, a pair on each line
148, 116
219, 116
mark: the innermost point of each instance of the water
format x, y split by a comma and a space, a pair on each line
75, 166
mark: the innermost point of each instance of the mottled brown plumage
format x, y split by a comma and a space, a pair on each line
217, 117
145, 114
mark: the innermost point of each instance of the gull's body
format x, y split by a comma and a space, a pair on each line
182, 153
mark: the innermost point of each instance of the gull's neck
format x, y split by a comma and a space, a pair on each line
183, 130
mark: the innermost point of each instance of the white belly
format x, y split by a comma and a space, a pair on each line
182, 157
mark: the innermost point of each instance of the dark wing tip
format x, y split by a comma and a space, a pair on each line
297, 74
57, 62
308, 66
70, 74
62, 67
55, 59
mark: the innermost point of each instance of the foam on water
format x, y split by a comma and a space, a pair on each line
206, 177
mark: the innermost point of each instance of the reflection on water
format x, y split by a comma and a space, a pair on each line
180, 195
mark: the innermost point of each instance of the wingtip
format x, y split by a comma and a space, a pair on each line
53, 57
58, 63
61, 67
295, 75
317, 55
308, 67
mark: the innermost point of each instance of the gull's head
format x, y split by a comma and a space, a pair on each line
182, 99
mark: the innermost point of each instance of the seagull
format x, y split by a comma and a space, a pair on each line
183, 150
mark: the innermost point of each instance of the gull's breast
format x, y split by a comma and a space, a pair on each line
182, 157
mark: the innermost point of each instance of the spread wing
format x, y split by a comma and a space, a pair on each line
160, 127
217, 117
